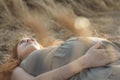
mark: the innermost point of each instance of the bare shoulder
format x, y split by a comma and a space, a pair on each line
19, 74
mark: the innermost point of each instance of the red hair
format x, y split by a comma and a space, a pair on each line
7, 68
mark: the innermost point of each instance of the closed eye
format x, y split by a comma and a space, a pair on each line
25, 40
22, 41
32, 39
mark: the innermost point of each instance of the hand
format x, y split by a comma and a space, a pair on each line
97, 56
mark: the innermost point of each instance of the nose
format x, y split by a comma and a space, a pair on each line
29, 40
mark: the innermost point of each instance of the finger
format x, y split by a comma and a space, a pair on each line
97, 45
102, 51
116, 54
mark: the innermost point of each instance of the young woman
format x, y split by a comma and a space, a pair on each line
28, 52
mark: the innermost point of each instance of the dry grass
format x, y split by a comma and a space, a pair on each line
49, 20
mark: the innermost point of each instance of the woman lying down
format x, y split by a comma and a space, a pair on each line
75, 59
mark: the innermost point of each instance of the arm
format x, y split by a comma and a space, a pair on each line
90, 59
61, 73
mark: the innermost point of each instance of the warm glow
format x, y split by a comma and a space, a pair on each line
81, 22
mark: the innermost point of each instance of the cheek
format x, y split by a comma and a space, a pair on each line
31, 48
20, 51
23, 51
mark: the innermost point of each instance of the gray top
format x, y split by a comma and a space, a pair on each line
53, 57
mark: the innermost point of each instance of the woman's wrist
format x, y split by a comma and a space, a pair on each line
79, 64
84, 62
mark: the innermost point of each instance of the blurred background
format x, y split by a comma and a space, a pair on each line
54, 21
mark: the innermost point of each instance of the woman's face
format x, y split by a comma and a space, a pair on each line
26, 46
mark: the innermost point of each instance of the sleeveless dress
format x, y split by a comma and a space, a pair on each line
44, 60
